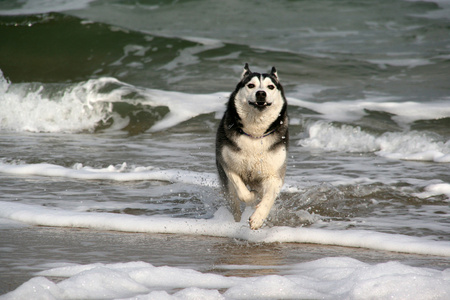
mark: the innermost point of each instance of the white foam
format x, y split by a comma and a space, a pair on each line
222, 225
411, 145
327, 278
188, 56
404, 112
123, 172
29, 7
76, 109
184, 106
117, 173
435, 190
401, 62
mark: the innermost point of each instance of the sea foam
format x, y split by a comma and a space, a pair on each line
327, 278
28, 107
221, 225
435, 189
121, 172
411, 145
403, 112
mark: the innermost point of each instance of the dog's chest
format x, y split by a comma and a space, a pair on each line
255, 160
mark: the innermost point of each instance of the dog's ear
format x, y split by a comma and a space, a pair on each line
274, 73
246, 71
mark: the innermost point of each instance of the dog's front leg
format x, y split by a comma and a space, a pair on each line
237, 192
272, 187
241, 189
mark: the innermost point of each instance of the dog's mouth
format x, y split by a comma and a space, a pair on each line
260, 104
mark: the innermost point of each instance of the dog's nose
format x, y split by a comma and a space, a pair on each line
260, 95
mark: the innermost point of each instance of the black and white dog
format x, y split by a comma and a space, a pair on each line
251, 144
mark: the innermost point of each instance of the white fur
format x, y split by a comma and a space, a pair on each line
255, 162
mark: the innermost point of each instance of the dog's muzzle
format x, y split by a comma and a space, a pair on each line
260, 102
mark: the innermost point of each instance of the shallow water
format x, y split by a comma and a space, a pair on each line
108, 113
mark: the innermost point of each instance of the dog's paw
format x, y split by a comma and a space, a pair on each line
256, 220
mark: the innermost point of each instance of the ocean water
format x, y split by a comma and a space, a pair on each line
108, 186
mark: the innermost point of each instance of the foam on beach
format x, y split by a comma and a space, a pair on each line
327, 278
221, 225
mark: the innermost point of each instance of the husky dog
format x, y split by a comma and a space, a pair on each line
251, 144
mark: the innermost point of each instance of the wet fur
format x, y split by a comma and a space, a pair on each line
251, 144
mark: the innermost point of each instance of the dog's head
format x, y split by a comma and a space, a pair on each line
260, 91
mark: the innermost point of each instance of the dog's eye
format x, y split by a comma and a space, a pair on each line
271, 87
250, 85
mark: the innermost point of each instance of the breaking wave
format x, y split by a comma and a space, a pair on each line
97, 104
